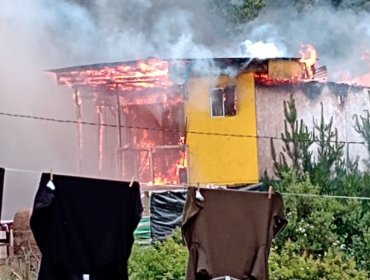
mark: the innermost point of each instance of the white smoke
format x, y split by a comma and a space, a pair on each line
262, 49
341, 36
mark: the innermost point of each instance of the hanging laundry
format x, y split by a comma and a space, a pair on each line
142, 232
229, 233
2, 175
166, 209
85, 227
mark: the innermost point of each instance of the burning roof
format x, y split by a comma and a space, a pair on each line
152, 138
165, 73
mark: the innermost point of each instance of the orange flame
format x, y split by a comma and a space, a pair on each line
182, 163
150, 73
309, 58
160, 181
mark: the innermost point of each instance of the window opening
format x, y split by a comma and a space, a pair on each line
223, 102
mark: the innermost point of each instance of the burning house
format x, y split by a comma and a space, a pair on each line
197, 121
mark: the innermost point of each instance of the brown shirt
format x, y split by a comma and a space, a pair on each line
229, 233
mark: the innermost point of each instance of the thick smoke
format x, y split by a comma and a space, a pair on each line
103, 31
65, 33
341, 36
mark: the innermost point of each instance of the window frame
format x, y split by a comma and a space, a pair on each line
225, 111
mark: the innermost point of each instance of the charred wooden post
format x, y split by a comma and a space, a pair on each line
78, 106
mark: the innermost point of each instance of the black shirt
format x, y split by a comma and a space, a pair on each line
85, 226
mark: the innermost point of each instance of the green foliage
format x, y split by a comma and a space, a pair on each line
329, 154
239, 11
161, 261
344, 223
297, 140
319, 225
309, 217
307, 5
358, 5
317, 152
334, 265
362, 126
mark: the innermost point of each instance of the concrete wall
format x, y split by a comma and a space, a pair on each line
340, 101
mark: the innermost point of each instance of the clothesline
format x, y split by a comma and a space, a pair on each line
23, 170
48, 171
283, 194
326, 196
177, 131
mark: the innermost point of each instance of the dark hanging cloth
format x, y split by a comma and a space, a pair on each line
85, 226
229, 233
2, 175
166, 209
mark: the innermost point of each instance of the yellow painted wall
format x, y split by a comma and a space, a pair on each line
221, 159
280, 69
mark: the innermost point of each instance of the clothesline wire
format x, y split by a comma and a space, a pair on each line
327, 196
282, 193
23, 170
173, 130
74, 175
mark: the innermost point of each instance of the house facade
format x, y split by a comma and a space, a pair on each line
199, 121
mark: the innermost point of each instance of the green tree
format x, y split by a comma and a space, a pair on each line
239, 11
362, 126
318, 152
296, 143
329, 154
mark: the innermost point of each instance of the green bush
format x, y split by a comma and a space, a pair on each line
319, 225
334, 265
165, 260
